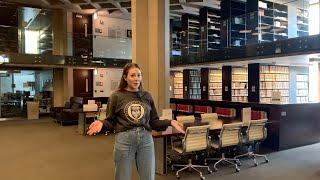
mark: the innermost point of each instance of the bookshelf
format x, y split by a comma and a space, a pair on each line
177, 84
176, 43
233, 23
215, 84
302, 22
268, 21
210, 22
239, 87
194, 84
190, 38
272, 79
175, 38
302, 89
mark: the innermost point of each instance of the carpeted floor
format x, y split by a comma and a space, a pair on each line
43, 150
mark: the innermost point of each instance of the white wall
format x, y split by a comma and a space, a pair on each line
110, 37
106, 81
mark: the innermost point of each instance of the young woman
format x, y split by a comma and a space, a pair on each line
132, 113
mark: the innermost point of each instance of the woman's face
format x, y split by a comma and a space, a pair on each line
133, 79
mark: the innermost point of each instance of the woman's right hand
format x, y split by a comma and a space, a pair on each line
95, 128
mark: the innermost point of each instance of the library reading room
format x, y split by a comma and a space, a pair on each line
160, 89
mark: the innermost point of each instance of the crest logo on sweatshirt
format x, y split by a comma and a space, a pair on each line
134, 111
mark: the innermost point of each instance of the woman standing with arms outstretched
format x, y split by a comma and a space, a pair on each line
132, 113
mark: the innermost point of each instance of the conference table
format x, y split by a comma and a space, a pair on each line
161, 141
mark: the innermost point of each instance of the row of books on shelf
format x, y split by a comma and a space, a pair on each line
274, 77
239, 85
215, 79
195, 96
195, 78
202, 109
302, 85
215, 92
178, 74
195, 73
216, 85
302, 77
195, 85
178, 96
239, 92
239, 77
274, 69
178, 91
240, 71
269, 100
302, 92
274, 85
268, 93
255, 115
215, 98
239, 98
178, 85
195, 91
302, 99
221, 111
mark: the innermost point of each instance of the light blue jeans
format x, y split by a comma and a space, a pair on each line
135, 145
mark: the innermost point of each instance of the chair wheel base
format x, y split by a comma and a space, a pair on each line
202, 178
178, 177
256, 164
267, 160
215, 169
237, 169
209, 171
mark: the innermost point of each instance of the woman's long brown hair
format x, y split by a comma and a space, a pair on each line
123, 83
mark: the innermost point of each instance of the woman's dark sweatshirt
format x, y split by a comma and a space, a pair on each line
126, 110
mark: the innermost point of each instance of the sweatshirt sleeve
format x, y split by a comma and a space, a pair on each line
155, 123
110, 120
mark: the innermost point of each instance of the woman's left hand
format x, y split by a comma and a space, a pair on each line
178, 126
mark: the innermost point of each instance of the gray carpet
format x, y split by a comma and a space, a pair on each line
43, 150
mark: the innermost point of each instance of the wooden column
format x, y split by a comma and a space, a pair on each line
150, 47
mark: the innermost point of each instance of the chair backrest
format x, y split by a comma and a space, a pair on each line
90, 107
186, 119
256, 130
230, 134
212, 119
196, 138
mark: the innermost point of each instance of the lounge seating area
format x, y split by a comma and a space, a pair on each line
69, 114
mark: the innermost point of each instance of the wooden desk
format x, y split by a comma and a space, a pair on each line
160, 144
82, 121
